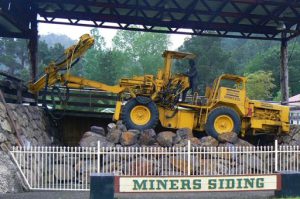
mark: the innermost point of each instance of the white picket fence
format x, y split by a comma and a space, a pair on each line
295, 117
69, 168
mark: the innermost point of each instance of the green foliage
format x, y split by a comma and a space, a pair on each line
47, 54
267, 61
243, 51
14, 57
133, 53
260, 85
143, 51
99, 62
139, 53
278, 96
270, 61
294, 69
211, 60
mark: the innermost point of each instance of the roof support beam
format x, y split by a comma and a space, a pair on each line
33, 46
294, 35
223, 18
171, 24
284, 71
195, 31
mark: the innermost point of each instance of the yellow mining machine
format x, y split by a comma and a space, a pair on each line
143, 101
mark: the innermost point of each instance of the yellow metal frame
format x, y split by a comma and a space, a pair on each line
255, 115
235, 98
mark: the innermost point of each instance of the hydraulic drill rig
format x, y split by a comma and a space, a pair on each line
156, 98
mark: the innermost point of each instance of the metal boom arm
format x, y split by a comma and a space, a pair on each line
73, 53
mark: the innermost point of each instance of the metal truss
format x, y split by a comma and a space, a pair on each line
250, 19
15, 19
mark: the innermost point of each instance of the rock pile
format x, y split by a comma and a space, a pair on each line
31, 122
10, 179
117, 135
291, 139
33, 125
204, 163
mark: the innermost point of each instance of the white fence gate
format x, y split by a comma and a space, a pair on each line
69, 168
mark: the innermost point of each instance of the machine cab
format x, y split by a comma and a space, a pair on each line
228, 89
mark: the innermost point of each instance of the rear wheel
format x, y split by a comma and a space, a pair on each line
222, 120
139, 115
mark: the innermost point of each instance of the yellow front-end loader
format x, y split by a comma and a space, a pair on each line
143, 101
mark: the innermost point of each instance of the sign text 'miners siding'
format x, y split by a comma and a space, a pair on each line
191, 184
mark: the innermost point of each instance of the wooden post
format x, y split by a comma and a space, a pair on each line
33, 47
284, 71
19, 92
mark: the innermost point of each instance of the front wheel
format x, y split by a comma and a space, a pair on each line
139, 115
222, 120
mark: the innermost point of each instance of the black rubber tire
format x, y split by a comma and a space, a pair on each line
125, 115
222, 110
143, 100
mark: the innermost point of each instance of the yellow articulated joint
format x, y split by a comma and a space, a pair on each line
40, 84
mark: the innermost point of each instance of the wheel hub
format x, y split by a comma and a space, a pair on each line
140, 115
223, 124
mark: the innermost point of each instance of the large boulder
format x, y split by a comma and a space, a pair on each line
97, 129
241, 142
141, 167
195, 142
180, 164
228, 137
181, 143
10, 179
111, 127
121, 126
166, 138
185, 133
90, 139
114, 135
147, 137
128, 138
2, 137
205, 167
209, 141
5, 125
296, 137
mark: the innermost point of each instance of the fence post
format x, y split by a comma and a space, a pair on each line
98, 157
189, 157
276, 155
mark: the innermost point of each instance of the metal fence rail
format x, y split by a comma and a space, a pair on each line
56, 168
295, 118
69, 168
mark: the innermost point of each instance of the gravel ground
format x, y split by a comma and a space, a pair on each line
85, 195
